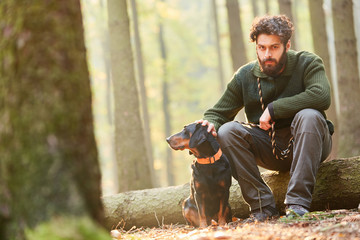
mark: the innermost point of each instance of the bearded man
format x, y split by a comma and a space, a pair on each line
283, 92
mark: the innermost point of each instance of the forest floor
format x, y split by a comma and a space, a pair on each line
335, 224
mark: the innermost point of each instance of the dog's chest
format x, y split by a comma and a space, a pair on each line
211, 175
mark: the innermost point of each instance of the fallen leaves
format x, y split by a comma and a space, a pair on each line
337, 224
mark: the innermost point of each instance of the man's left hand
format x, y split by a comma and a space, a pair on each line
265, 120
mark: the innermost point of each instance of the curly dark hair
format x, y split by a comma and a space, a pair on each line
279, 25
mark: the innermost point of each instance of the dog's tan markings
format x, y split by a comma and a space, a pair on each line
221, 183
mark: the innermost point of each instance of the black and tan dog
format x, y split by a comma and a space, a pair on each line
210, 180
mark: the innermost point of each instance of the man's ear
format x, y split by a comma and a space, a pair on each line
288, 45
198, 137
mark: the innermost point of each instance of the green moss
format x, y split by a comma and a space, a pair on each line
68, 228
311, 217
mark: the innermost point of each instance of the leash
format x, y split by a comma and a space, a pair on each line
284, 153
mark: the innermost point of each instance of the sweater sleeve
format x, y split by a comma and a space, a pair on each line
315, 96
228, 105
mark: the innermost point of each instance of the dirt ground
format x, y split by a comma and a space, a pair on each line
336, 224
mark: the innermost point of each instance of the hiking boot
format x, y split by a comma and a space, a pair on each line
295, 211
262, 214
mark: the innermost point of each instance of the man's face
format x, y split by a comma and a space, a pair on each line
271, 54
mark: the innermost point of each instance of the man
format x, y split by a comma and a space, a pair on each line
294, 93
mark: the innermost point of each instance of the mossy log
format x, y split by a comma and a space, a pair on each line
337, 186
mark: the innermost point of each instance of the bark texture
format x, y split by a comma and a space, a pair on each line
237, 45
129, 135
49, 165
348, 78
318, 30
337, 186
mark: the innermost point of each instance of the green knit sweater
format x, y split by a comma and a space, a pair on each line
302, 84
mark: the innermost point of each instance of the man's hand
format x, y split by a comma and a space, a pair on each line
265, 120
211, 127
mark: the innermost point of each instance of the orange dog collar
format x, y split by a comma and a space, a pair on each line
210, 160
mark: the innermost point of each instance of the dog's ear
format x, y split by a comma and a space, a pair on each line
198, 137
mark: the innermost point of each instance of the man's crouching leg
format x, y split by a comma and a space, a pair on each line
239, 145
312, 145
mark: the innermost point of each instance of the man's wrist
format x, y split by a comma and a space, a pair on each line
271, 110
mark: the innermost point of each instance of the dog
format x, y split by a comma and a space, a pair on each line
210, 177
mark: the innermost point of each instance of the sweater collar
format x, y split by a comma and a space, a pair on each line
289, 67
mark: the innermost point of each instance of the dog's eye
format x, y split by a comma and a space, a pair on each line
186, 132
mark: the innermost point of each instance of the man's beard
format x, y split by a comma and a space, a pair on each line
273, 70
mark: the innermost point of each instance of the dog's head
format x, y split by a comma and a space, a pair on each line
196, 138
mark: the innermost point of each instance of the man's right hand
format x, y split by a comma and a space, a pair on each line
211, 127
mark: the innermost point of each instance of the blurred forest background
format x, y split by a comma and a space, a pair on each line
184, 50
90, 89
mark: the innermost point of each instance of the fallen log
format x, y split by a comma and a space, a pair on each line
337, 187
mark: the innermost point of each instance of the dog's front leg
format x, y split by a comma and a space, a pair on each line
200, 202
224, 212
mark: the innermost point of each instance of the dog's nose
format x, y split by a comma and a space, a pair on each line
168, 139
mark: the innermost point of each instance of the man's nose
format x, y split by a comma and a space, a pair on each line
267, 53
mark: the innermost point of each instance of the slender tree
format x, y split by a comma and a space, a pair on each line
106, 51
320, 40
255, 8
348, 78
285, 7
133, 164
166, 103
49, 166
237, 45
267, 7
218, 45
142, 87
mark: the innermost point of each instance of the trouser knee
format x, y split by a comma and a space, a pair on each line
308, 120
229, 133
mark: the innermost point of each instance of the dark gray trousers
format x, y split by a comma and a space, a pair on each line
248, 147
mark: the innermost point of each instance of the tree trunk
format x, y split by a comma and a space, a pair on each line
318, 27
267, 7
337, 186
348, 78
166, 102
133, 165
237, 45
218, 46
255, 8
142, 87
49, 166
285, 7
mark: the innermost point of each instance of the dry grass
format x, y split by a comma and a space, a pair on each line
336, 224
